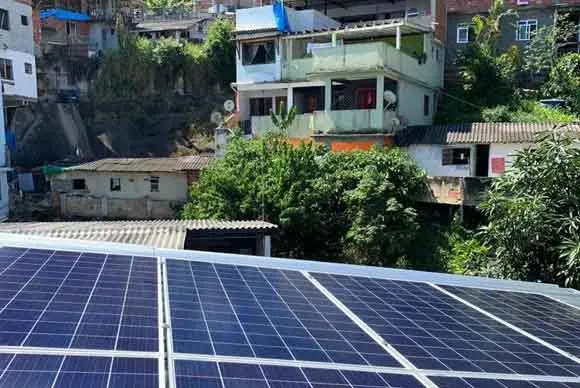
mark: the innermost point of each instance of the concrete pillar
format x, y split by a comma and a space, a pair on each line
267, 246
380, 102
398, 38
289, 98
334, 40
177, 35
105, 206
328, 95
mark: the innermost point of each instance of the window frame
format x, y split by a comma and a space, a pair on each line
528, 23
28, 69
426, 105
24, 20
6, 69
115, 184
75, 185
4, 19
522, 2
462, 27
449, 157
154, 184
268, 60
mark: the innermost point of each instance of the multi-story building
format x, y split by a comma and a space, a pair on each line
353, 84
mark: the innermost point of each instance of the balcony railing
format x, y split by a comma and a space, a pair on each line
363, 57
340, 121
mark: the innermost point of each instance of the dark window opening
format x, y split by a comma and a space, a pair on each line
260, 106
353, 95
6, 70
79, 184
4, 20
281, 104
154, 181
28, 68
308, 100
115, 184
259, 53
24, 20
455, 156
426, 105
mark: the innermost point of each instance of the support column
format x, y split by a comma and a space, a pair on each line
267, 246
380, 102
398, 38
289, 98
328, 95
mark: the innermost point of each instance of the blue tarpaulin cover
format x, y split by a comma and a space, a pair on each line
281, 17
64, 15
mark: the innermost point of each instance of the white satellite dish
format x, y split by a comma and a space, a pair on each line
390, 97
216, 118
396, 122
229, 106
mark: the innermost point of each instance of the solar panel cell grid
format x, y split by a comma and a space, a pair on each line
434, 331
41, 371
454, 382
73, 300
252, 312
543, 317
190, 374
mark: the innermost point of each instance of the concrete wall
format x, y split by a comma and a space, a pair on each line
24, 85
505, 151
382, 9
260, 18
19, 37
172, 187
87, 206
270, 72
429, 158
96, 42
410, 103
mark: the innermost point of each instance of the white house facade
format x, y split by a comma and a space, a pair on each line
348, 81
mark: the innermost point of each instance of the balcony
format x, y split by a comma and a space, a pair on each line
332, 122
361, 57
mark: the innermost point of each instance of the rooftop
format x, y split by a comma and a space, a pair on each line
478, 133
158, 234
194, 162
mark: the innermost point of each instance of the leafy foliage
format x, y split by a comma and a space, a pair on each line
564, 81
352, 207
284, 119
141, 66
526, 112
534, 214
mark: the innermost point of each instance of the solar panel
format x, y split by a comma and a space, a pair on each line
61, 299
252, 312
50, 371
194, 374
553, 322
434, 331
455, 382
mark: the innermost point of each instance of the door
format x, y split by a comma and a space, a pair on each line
482, 160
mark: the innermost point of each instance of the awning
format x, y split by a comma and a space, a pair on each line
64, 15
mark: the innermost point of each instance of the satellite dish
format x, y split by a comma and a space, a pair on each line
390, 97
396, 122
216, 118
229, 106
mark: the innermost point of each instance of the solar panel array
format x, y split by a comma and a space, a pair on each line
70, 319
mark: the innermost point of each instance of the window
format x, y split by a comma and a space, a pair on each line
115, 184
104, 34
28, 68
154, 181
260, 106
71, 29
6, 71
455, 156
412, 12
79, 184
24, 20
258, 53
465, 33
426, 105
4, 21
526, 29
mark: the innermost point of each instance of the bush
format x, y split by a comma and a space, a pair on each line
564, 81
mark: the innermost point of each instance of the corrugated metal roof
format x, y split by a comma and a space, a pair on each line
479, 133
194, 162
159, 234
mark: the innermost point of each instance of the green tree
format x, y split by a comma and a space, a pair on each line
220, 52
352, 207
283, 120
564, 81
534, 214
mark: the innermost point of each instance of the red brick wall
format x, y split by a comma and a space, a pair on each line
441, 19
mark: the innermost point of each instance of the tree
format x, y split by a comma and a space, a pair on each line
534, 214
220, 52
352, 207
284, 119
564, 81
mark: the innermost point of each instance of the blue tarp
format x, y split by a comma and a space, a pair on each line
10, 139
64, 15
281, 17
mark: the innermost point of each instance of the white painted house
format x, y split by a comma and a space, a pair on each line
470, 150
336, 74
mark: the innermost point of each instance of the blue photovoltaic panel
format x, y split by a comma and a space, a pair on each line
252, 312
553, 322
196, 374
79, 300
41, 371
434, 331
454, 382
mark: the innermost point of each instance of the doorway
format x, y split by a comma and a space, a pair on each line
482, 160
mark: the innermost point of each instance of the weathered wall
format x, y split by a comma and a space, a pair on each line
87, 206
19, 37
429, 158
